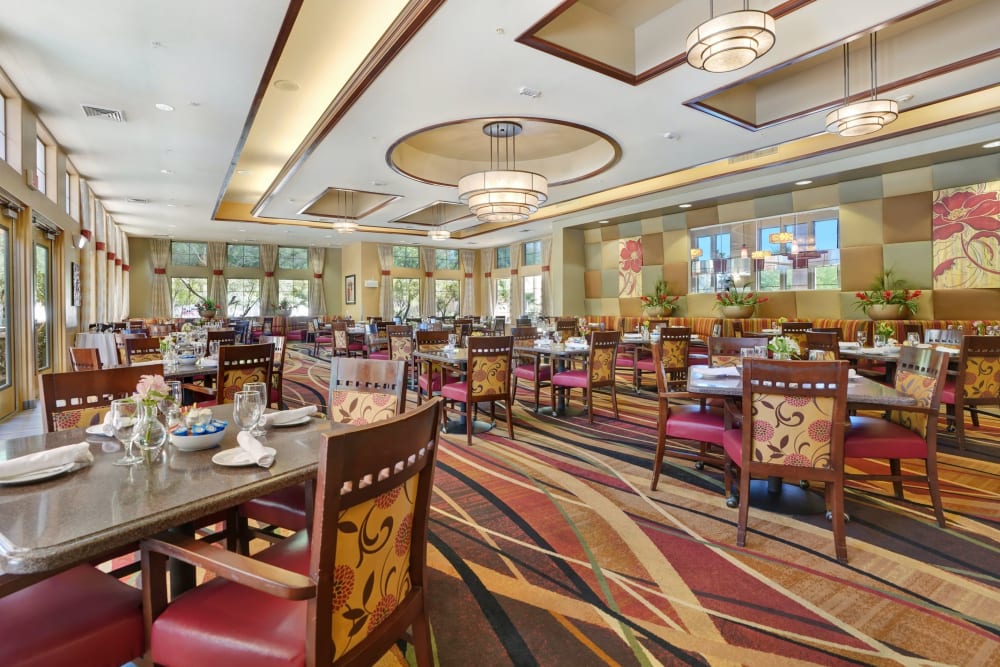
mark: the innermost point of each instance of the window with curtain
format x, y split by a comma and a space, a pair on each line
296, 292
243, 256
189, 253
502, 298
532, 253
244, 297
293, 259
405, 257
405, 297
5, 295
503, 258
532, 295
446, 295
43, 291
40, 164
446, 260
187, 293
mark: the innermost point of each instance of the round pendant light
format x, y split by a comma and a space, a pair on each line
730, 41
867, 116
503, 193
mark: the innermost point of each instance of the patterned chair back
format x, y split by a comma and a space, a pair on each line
920, 375
822, 346
603, 356
400, 341
78, 399
364, 391
340, 337
673, 354
797, 332
979, 369
489, 366
239, 364
138, 350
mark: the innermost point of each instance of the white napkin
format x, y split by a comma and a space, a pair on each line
50, 458
719, 371
949, 350
285, 416
252, 446
846, 345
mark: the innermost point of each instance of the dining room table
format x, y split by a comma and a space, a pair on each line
454, 359
81, 514
106, 343
561, 356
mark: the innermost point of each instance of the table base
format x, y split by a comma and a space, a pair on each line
784, 498
456, 426
568, 411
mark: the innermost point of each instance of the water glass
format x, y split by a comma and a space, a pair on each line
247, 409
913, 338
862, 338
760, 351
746, 353
879, 340
124, 414
213, 349
170, 405
264, 391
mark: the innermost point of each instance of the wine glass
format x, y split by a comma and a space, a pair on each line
124, 414
264, 391
452, 341
247, 409
862, 338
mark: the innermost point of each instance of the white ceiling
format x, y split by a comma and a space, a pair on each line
207, 60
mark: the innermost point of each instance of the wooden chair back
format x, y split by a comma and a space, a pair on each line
524, 335
277, 366
138, 350
822, 346
797, 332
78, 399
670, 356
239, 364
339, 338
725, 350
85, 358
363, 391
602, 358
430, 339
834, 330
566, 326
920, 374
224, 336
488, 368
499, 325
944, 336
400, 341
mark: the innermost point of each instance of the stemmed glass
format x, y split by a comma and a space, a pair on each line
862, 338
263, 390
247, 409
124, 414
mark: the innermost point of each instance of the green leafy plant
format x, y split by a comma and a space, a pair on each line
887, 290
661, 298
784, 346
735, 296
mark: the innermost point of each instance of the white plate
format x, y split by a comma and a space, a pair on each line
304, 419
98, 429
238, 457
38, 475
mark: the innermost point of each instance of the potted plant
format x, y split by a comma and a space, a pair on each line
660, 303
784, 347
207, 309
738, 302
284, 308
887, 298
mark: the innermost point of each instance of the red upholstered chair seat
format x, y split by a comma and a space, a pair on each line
646, 365
435, 381
948, 392
624, 360
296, 334
527, 372
77, 618
697, 358
285, 507
455, 391
269, 630
355, 347
323, 339
694, 423
732, 442
881, 438
572, 378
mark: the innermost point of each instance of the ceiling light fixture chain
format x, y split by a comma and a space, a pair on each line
441, 215
346, 223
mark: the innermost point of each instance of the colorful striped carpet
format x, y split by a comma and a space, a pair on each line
550, 549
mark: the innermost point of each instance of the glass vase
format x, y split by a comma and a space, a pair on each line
148, 434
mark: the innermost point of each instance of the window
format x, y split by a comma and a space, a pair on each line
187, 292
532, 295
406, 297
244, 297
243, 256
503, 258
446, 260
3, 128
405, 257
296, 292
69, 199
293, 258
186, 253
446, 297
40, 166
532, 253
5, 293
502, 306
43, 325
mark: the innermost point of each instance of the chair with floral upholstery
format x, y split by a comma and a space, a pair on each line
725, 350
793, 416
327, 596
906, 434
429, 374
238, 364
142, 350
487, 380
674, 344
79, 399
976, 383
599, 372
822, 346
529, 367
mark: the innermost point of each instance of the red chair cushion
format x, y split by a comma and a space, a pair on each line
295, 334
877, 438
624, 360
355, 347
77, 618
455, 391
693, 423
573, 378
948, 392
527, 372
435, 382
285, 507
732, 442
697, 358
646, 365
259, 629
323, 339
381, 354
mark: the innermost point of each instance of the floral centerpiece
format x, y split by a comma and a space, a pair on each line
738, 302
784, 347
149, 434
660, 302
885, 331
887, 298
207, 308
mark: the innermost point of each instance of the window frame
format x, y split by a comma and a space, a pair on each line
410, 263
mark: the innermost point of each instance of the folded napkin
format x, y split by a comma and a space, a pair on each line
848, 345
949, 350
719, 371
50, 458
285, 416
632, 336
252, 446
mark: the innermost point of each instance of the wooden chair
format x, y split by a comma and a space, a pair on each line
599, 372
487, 380
834, 330
224, 336
826, 346
566, 327
725, 350
340, 342
428, 375
277, 370
238, 364
943, 336
798, 410
499, 325
289, 604
689, 421
85, 359
674, 344
79, 399
976, 383
797, 332
910, 433
140, 350
529, 367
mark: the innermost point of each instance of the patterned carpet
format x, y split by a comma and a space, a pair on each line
551, 550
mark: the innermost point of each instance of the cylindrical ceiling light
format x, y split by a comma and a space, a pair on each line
730, 41
346, 219
781, 237
439, 234
866, 116
760, 254
503, 193
345, 226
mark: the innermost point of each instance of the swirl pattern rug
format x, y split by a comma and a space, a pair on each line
550, 549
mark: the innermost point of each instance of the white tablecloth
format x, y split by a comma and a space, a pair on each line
105, 344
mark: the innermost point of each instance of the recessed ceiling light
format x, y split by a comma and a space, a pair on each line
803, 182
286, 85
171, 205
905, 97
242, 231
603, 222
163, 107
242, 171
992, 144
172, 226
684, 206
167, 171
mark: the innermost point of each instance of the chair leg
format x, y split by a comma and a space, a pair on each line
835, 501
896, 472
744, 514
538, 390
661, 443
614, 400
960, 426
421, 639
470, 420
935, 491
510, 417
590, 405
552, 397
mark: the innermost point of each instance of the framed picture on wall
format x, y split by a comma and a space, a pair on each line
75, 295
349, 293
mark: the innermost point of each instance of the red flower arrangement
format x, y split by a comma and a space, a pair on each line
660, 298
738, 297
888, 291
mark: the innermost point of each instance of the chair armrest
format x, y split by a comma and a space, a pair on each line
235, 567
733, 414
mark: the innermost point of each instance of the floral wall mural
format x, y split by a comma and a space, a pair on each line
629, 267
966, 236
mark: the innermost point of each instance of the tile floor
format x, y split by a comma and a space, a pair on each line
26, 422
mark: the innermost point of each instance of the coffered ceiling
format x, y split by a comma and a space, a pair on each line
290, 114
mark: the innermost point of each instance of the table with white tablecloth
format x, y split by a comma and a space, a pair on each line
105, 343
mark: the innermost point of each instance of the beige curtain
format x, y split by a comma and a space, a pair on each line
547, 278
159, 256
111, 297
516, 286
125, 267
88, 272
317, 299
101, 263
121, 302
385, 284
467, 258
217, 281
428, 302
269, 289
487, 258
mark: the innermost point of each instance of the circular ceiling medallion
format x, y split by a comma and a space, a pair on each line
562, 152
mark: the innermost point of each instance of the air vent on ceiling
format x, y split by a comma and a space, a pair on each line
136, 200
116, 115
754, 155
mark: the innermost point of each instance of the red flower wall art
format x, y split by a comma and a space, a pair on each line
966, 236
629, 267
